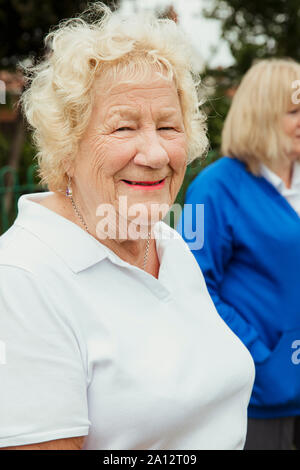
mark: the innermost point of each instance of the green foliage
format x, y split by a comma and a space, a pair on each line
27, 159
258, 29
217, 103
4, 147
192, 171
24, 24
27, 156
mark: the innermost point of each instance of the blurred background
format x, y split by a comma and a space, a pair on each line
227, 36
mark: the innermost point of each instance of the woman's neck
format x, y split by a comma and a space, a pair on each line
131, 251
285, 172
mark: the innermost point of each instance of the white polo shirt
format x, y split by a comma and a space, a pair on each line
292, 194
98, 347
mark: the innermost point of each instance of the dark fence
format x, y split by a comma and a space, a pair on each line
11, 190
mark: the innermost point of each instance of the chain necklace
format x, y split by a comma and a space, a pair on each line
78, 214
69, 194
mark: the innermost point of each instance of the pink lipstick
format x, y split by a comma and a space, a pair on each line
145, 185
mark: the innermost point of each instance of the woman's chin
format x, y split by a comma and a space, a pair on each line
147, 218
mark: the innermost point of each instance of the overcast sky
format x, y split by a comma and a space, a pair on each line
204, 34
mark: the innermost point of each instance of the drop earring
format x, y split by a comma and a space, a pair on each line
69, 187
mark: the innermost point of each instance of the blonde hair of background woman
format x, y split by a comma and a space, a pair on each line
252, 130
60, 93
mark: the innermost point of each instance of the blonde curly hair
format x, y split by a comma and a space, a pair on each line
59, 98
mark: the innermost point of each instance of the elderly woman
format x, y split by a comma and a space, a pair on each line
112, 339
251, 253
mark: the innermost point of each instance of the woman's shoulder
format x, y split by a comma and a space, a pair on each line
10, 244
223, 175
30, 242
29, 279
15, 252
22, 250
224, 166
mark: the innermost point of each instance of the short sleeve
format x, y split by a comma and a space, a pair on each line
43, 392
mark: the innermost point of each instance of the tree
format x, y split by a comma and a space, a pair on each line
258, 29
24, 23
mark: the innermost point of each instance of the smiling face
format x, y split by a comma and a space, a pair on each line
134, 146
291, 128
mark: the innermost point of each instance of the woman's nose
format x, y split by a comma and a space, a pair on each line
150, 152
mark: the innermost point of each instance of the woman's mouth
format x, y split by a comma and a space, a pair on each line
145, 185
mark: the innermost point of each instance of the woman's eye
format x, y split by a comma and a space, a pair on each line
124, 129
166, 129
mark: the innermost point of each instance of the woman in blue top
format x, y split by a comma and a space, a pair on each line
251, 252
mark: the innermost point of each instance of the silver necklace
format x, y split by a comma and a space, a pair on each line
69, 194
78, 214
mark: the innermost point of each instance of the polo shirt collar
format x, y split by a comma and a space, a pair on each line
277, 181
296, 175
269, 175
78, 249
